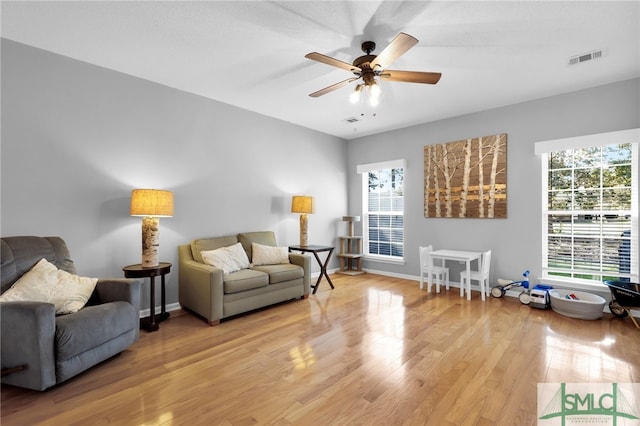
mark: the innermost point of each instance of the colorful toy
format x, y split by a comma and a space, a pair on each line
505, 285
540, 296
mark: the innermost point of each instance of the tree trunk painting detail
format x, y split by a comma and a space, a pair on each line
495, 150
447, 178
474, 175
427, 174
465, 179
480, 179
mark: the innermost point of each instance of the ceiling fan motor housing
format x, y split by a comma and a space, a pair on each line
363, 62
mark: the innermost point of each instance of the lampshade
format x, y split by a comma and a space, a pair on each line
302, 204
151, 202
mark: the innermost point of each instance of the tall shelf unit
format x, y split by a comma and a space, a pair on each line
350, 250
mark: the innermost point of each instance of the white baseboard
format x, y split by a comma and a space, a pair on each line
170, 307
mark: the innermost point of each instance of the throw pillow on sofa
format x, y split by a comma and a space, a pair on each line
229, 259
46, 283
268, 255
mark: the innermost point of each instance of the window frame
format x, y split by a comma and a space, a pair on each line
364, 170
544, 149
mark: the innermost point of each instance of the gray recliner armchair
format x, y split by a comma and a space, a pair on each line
40, 349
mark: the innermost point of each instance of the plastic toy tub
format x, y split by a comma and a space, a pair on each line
585, 306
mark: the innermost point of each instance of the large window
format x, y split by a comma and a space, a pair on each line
590, 213
383, 209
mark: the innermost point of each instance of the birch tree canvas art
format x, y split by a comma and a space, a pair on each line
467, 178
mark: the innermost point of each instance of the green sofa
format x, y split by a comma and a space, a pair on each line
206, 291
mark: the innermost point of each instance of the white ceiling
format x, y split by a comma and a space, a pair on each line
251, 54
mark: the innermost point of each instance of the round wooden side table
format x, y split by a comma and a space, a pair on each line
150, 323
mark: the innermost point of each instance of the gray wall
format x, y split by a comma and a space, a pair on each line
76, 139
516, 241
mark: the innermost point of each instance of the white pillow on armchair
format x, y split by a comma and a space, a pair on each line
46, 283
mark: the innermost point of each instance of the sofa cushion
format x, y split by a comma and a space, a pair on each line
91, 327
266, 238
245, 279
281, 273
268, 255
204, 244
229, 259
46, 283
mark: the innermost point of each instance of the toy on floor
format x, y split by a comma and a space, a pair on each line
505, 285
539, 297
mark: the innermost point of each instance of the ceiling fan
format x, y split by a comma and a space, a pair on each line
370, 66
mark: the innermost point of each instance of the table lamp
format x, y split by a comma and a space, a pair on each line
151, 204
302, 204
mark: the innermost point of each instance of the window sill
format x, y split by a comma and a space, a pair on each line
574, 284
380, 259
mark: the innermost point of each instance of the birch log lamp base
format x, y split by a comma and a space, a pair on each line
151, 204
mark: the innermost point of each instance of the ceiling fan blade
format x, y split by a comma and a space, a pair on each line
333, 87
398, 46
315, 56
411, 76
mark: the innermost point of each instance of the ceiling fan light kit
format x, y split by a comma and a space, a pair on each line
367, 67
373, 93
355, 95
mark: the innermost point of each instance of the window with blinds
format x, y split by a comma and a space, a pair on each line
383, 209
590, 209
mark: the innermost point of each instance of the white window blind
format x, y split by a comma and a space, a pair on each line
383, 209
590, 206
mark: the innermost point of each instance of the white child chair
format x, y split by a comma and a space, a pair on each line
428, 269
482, 276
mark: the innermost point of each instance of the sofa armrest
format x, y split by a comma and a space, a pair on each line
305, 262
201, 289
28, 331
117, 290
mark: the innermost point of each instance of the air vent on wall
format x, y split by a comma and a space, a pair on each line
595, 54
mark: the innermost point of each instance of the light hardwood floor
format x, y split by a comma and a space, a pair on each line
376, 350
